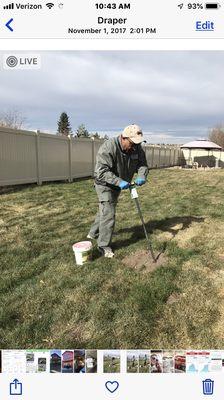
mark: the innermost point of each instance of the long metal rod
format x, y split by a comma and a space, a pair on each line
145, 231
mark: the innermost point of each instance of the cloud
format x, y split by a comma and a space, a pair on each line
172, 94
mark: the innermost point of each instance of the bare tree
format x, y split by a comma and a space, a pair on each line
12, 119
216, 135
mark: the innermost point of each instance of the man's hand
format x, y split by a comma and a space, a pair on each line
124, 185
140, 181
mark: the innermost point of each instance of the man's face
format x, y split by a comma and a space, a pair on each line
127, 145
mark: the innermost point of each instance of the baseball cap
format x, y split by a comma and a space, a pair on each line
133, 132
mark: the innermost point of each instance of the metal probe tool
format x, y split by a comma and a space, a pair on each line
134, 196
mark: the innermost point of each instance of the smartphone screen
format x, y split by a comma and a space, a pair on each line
111, 199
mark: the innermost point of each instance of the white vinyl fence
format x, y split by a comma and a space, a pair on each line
30, 157
162, 156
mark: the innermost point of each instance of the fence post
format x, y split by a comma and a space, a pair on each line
170, 158
164, 160
153, 151
39, 180
179, 160
70, 158
159, 158
174, 156
93, 155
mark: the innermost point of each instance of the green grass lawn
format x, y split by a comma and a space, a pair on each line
49, 302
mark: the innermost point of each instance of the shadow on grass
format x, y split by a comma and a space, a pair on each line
16, 188
96, 254
19, 188
165, 225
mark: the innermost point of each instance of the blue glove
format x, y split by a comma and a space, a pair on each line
124, 185
140, 181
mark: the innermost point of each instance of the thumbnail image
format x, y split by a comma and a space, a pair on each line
67, 361
215, 364
111, 361
38, 361
203, 361
156, 361
132, 361
42, 364
91, 361
144, 361
180, 361
30, 362
79, 361
168, 361
55, 361
192, 361
14, 361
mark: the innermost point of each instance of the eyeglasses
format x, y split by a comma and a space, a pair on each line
130, 141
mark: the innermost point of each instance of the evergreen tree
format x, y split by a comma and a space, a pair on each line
64, 127
82, 131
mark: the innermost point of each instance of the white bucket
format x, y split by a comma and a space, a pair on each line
83, 252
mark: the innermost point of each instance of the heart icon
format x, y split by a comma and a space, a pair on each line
112, 386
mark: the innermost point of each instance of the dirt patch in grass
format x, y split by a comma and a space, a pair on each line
142, 261
173, 298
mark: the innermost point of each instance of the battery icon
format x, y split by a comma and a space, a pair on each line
212, 6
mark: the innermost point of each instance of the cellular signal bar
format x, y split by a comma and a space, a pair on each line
9, 6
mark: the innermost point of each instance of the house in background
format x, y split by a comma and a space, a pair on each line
204, 153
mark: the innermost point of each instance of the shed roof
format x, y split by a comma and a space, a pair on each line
201, 144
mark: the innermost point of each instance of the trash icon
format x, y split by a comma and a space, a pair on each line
208, 386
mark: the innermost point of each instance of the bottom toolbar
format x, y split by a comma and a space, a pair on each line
112, 386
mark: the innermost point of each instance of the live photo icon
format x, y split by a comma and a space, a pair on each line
208, 386
16, 388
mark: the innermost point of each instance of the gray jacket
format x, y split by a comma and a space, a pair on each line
114, 165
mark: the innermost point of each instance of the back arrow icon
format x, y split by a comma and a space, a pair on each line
8, 25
